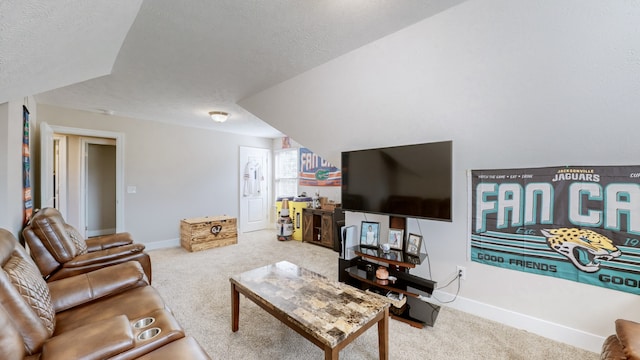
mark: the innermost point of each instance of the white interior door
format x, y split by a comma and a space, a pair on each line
46, 166
60, 185
255, 177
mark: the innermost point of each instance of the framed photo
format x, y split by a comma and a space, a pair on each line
369, 234
396, 238
413, 244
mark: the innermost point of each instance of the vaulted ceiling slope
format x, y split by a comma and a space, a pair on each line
46, 45
180, 60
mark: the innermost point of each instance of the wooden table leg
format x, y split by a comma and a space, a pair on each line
383, 335
331, 354
235, 307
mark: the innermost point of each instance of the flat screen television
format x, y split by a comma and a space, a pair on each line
410, 180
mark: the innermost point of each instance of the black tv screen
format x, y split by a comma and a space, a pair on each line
410, 180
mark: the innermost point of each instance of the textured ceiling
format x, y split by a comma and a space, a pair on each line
45, 45
181, 59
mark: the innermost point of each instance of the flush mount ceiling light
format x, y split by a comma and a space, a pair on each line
219, 116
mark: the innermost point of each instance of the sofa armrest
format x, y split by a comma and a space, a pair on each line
99, 340
80, 289
108, 241
612, 349
628, 332
102, 256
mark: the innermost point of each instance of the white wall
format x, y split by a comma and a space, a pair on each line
11, 194
513, 84
178, 172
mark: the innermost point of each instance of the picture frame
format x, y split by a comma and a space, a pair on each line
413, 245
369, 234
396, 239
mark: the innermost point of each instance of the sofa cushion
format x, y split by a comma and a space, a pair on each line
628, 333
27, 280
100, 340
77, 239
39, 253
84, 288
111, 255
49, 226
24, 295
134, 303
108, 241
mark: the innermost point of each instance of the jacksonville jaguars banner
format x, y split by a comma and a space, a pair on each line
580, 223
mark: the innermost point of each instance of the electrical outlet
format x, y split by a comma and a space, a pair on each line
462, 272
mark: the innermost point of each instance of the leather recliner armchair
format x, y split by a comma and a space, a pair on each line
96, 315
60, 251
624, 344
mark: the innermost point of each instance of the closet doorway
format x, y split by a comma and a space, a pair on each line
98, 187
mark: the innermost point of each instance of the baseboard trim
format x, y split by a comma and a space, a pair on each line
547, 329
162, 244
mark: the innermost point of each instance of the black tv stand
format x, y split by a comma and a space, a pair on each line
358, 269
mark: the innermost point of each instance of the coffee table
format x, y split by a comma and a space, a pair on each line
327, 313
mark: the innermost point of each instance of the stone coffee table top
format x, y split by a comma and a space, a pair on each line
329, 311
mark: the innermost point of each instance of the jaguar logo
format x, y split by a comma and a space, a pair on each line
585, 248
215, 229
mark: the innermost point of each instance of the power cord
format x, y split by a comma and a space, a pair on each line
458, 277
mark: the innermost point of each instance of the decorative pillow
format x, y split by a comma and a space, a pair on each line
78, 240
27, 280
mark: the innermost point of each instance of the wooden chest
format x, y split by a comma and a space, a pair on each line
208, 232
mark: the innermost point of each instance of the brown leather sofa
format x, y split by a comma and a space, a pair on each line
109, 313
624, 344
59, 251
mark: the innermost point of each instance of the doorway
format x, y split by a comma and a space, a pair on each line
75, 173
98, 190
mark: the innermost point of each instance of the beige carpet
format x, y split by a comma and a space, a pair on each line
196, 287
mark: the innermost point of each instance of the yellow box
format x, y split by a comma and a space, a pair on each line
297, 205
